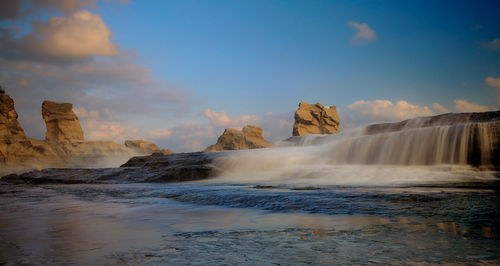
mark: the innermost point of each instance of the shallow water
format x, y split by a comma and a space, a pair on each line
250, 223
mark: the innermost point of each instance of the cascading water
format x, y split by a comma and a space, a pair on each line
421, 150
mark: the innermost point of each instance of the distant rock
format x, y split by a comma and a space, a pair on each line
64, 145
316, 119
146, 147
250, 137
62, 123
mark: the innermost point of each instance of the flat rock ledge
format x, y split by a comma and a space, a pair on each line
156, 168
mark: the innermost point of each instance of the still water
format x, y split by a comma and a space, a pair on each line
259, 223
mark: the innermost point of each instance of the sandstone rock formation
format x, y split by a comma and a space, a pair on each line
316, 119
146, 147
64, 145
14, 144
62, 123
250, 137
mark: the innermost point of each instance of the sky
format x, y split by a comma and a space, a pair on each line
178, 72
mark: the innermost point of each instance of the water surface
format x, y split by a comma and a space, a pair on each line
249, 223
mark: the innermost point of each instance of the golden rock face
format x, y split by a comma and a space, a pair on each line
62, 123
249, 137
316, 119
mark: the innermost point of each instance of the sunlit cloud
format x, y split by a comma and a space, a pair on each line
465, 106
79, 36
385, 110
493, 82
441, 109
222, 119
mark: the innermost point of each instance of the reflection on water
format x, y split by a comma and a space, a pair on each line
204, 223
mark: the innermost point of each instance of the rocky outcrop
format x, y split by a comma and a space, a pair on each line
62, 123
146, 147
64, 145
14, 144
316, 119
154, 168
10, 129
249, 137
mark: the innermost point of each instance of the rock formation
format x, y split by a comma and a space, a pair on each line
62, 123
14, 144
64, 145
316, 119
154, 168
198, 165
146, 147
250, 137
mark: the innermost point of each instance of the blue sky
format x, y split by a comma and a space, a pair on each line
178, 72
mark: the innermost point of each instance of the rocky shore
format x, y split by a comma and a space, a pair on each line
157, 167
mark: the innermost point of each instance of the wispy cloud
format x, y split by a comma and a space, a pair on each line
440, 108
493, 45
466, 106
493, 82
222, 119
478, 27
364, 34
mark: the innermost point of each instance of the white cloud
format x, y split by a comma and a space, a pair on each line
493, 82
440, 108
364, 34
385, 110
465, 107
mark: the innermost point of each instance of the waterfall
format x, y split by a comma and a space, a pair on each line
453, 144
410, 151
